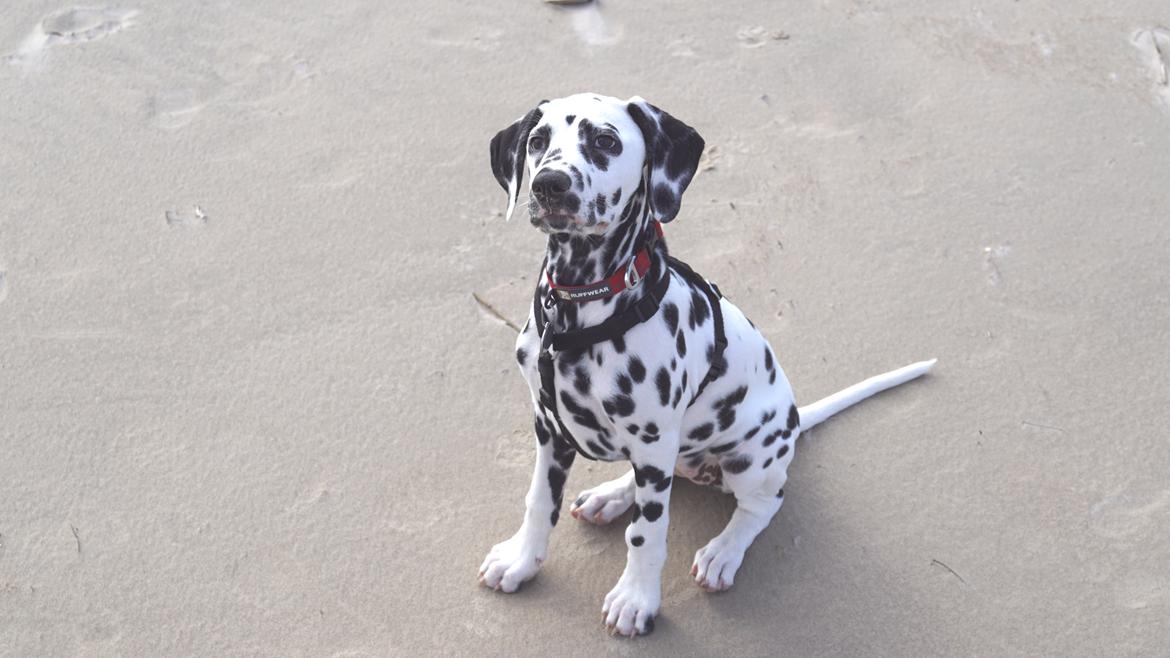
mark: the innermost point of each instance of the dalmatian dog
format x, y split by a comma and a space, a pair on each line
664, 394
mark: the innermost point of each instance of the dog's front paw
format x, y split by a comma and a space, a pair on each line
509, 564
715, 565
630, 607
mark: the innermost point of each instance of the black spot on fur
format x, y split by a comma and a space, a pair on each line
581, 415
636, 541
771, 438
702, 432
700, 311
619, 405
737, 464
726, 407
767, 462
637, 370
651, 428
780, 494
768, 358
632, 428
647, 475
677, 398
569, 119
662, 381
723, 448
665, 201
752, 432
581, 381
625, 384
542, 433
619, 344
521, 355
782, 451
767, 417
637, 513
681, 344
593, 153
793, 417
652, 511
670, 314
556, 482
617, 196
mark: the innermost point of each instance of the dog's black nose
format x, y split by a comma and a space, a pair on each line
549, 186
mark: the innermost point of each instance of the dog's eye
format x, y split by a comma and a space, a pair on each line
605, 142
536, 143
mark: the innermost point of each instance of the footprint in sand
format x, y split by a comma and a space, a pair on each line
1155, 46
265, 83
69, 26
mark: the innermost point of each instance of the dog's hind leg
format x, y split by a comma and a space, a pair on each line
606, 501
758, 496
518, 558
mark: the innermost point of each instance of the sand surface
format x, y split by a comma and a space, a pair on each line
249, 406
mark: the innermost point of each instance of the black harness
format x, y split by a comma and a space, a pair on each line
616, 326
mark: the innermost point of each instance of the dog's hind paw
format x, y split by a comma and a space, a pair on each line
605, 502
716, 564
509, 564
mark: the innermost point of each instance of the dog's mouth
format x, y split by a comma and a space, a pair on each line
559, 222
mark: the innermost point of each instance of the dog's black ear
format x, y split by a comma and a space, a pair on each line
509, 153
672, 156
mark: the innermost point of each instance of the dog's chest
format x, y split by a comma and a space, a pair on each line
611, 397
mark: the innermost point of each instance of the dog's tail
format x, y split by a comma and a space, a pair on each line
813, 414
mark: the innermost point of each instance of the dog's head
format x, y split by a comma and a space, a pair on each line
588, 156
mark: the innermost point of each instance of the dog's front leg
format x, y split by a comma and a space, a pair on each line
630, 607
517, 559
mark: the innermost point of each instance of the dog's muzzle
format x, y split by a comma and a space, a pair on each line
554, 205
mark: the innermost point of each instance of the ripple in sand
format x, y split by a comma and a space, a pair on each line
755, 37
194, 217
174, 108
68, 26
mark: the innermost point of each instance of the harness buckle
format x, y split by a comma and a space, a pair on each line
546, 339
632, 276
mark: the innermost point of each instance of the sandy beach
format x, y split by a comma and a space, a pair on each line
251, 406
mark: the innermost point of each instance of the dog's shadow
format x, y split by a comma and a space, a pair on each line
592, 558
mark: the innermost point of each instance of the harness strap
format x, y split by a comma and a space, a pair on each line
613, 327
718, 363
616, 326
548, 392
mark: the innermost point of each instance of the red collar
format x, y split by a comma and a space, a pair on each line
625, 277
